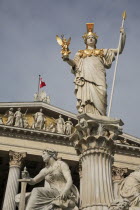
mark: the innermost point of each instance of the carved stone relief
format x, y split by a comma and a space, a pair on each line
121, 204
130, 188
37, 121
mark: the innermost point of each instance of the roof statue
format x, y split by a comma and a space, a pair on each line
89, 67
42, 96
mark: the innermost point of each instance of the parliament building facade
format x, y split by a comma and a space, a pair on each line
22, 146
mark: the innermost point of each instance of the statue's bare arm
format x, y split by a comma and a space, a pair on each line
67, 174
69, 61
38, 178
122, 44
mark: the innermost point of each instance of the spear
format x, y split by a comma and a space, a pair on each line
25, 112
116, 64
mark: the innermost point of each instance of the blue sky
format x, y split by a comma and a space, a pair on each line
28, 48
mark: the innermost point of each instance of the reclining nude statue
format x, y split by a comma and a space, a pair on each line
130, 189
58, 191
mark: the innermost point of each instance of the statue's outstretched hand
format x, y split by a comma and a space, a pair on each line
68, 60
31, 181
65, 57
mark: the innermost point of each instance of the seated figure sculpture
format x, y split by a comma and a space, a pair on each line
130, 189
58, 191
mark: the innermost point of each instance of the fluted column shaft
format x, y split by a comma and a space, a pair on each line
12, 182
96, 186
11, 189
116, 189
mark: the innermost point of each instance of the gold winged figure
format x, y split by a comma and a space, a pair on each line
64, 43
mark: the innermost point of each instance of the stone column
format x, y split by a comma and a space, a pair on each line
80, 176
93, 140
118, 174
12, 182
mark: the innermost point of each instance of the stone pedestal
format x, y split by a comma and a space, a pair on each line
12, 182
93, 140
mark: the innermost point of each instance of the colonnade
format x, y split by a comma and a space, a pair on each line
96, 188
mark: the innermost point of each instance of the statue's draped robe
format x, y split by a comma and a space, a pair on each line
39, 120
90, 82
130, 189
60, 126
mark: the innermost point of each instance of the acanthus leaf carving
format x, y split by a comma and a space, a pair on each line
94, 132
16, 158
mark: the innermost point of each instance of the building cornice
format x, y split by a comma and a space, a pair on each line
127, 147
35, 135
45, 136
131, 138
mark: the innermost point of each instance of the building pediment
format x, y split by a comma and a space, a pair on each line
30, 111
51, 113
34, 107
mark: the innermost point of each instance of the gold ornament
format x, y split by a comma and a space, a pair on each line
90, 29
90, 52
64, 43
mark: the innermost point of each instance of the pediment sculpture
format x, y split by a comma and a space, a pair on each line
37, 121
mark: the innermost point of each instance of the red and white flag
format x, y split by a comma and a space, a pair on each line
42, 84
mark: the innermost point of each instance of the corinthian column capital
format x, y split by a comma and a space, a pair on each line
95, 132
118, 174
16, 158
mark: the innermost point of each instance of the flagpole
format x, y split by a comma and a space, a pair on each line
116, 64
39, 85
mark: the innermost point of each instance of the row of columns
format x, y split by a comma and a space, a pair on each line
95, 172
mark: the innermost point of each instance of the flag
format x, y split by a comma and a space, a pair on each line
42, 84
